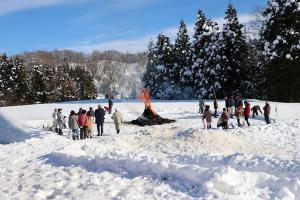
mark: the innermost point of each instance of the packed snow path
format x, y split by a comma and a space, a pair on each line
172, 161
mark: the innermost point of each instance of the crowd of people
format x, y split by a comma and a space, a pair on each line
81, 123
234, 106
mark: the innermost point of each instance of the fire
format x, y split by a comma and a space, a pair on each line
145, 97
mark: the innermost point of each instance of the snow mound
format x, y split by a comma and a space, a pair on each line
9, 133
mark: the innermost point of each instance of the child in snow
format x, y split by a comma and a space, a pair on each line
223, 120
73, 125
207, 116
54, 118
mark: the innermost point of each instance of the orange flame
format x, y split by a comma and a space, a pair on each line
145, 97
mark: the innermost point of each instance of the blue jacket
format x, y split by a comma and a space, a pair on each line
99, 115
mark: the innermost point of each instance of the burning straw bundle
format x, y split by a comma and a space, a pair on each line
149, 116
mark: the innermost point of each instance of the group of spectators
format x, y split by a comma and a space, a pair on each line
81, 123
234, 106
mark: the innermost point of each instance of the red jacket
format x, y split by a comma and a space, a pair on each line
247, 110
83, 120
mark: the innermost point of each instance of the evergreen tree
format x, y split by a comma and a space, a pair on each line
22, 84
211, 69
281, 45
182, 73
3, 66
85, 87
165, 86
234, 56
149, 75
50, 74
199, 54
66, 88
8, 77
38, 85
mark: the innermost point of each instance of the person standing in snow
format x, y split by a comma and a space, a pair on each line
83, 123
117, 117
267, 111
207, 116
238, 114
247, 112
54, 118
232, 103
255, 110
110, 105
90, 123
79, 111
223, 120
216, 107
73, 125
201, 104
60, 121
99, 119
91, 112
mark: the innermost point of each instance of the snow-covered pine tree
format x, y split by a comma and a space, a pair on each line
50, 79
198, 52
234, 55
182, 73
149, 75
8, 76
22, 84
165, 87
85, 87
66, 88
38, 85
281, 45
210, 62
3, 66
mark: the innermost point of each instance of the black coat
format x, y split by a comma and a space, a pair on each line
110, 103
99, 115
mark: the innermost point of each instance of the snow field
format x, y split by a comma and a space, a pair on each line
173, 161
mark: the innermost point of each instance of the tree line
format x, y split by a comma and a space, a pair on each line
36, 82
221, 62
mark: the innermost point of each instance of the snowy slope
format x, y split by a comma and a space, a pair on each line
173, 161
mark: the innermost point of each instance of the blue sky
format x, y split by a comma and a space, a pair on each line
86, 25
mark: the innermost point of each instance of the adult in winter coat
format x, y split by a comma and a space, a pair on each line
73, 125
255, 110
60, 121
216, 107
207, 116
238, 114
117, 117
91, 112
267, 111
110, 105
99, 118
223, 120
201, 104
83, 123
54, 118
90, 122
247, 112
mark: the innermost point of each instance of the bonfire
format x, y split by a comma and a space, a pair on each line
149, 116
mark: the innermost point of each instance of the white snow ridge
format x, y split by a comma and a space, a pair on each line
172, 161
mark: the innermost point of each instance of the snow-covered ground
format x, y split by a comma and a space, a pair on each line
173, 161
